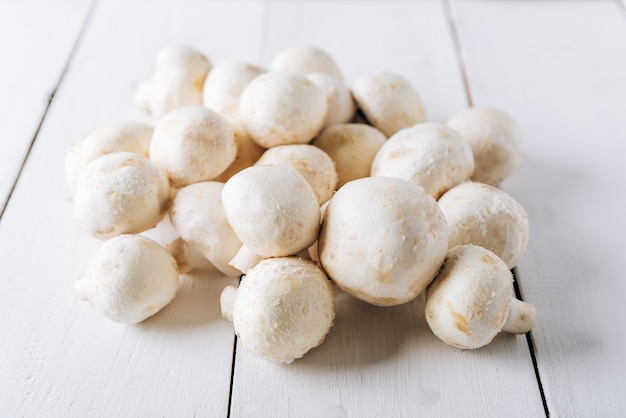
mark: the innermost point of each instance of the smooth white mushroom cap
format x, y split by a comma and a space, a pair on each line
282, 109
312, 163
197, 213
389, 101
129, 278
120, 193
225, 84
272, 209
341, 105
115, 137
483, 215
284, 307
178, 81
468, 303
383, 240
304, 60
352, 146
193, 144
430, 155
496, 142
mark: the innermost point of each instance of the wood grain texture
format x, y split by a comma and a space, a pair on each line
36, 39
383, 362
560, 69
59, 358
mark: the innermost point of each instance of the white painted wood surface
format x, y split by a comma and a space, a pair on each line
560, 68
36, 39
557, 67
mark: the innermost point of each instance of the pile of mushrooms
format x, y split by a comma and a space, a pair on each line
298, 184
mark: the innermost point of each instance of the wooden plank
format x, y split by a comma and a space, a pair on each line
560, 69
385, 361
36, 39
59, 358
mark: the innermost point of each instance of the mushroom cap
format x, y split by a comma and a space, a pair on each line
496, 142
120, 193
272, 209
130, 278
341, 105
312, 163
193, 144
284, 307
114, 137
383, 240
197, 213
480, 214
468, 303
282, 108
352, 146
430, 155
178, 80
389, 101
305, 59
225, 84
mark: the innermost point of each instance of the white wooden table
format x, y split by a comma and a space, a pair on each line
559, 67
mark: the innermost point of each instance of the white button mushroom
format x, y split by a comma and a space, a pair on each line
248, 153
272, 209
115, 137
304, 60
389, 101
341, 106
198, 215
193, 144
129, 278
312, 163
430, 155
283, 308
282, 108
496, 141
178, 80
383, 240
480, 214
472, 299
120, 193
352, 146
225, 84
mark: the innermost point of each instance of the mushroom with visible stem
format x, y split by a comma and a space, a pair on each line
283, 308
429, 154
193, 144
197, 213
129, 278
115, 137
120, 193
272, 209
383, 240
282, 108
389, 101
178, 80
311, 162
484, 215
352, 146
304, 60
472, 299
188, 257
496, 142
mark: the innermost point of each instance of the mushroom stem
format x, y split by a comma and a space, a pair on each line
188, 257
80, 286
521, 317
245, 259
227, 302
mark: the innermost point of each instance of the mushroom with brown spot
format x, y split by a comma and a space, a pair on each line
472, 299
